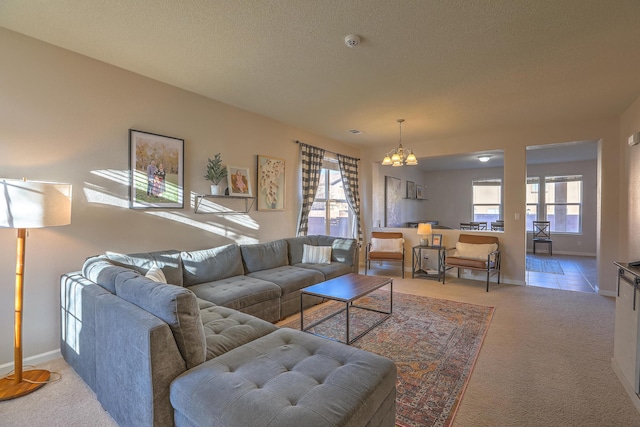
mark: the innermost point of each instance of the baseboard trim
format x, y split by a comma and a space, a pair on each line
32, 360
627, 387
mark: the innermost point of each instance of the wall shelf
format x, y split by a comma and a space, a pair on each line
248, 204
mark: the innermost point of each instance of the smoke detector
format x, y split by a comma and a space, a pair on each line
352, 40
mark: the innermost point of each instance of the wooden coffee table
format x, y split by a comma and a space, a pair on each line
347, 289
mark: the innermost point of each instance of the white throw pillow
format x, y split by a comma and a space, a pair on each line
316, 254
156, 274
386, 245
475, 251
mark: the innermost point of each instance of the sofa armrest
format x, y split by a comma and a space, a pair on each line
79, 297
137, 358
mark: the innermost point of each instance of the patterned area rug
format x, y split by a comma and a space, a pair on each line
433, 342
544, 266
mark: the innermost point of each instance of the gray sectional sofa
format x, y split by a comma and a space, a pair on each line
202, 349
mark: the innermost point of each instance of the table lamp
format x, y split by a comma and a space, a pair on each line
424, 229
28, 204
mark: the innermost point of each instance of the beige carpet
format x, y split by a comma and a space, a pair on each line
545, 361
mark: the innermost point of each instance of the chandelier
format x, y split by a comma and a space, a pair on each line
400, 156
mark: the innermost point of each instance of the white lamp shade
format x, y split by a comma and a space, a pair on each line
424, 229
34, 204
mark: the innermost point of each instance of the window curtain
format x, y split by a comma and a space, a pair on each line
349, 171
311, 161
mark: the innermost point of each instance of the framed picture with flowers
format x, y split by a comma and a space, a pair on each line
271, 183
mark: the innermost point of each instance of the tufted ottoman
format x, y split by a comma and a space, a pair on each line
288, 379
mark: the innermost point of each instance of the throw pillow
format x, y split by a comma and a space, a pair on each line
155, 273
316, 254
386, 245
475, 251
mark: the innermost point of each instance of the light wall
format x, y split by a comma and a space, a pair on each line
630, 182
514, 142
450, 194
65, 117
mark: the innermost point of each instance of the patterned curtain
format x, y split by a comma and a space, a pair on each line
349, 171
311, 160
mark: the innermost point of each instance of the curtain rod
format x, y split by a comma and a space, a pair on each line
300, 142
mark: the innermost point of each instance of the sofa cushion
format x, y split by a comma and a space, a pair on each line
168, 261
342, 249
237, 292
296, 247
290, 278
330, 271
175, 305
312, 254
208, 265
100, 270
264, 256
475, 250
226, 329
286, 378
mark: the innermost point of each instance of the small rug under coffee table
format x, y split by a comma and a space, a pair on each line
433, 342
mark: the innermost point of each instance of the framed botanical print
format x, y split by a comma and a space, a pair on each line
271, 183
156, 171
239, 181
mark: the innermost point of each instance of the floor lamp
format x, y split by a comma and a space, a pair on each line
28, 204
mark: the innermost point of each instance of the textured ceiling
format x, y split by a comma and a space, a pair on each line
447, 67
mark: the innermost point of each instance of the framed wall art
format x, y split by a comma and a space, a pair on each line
156, 171
271, 183
239, 181
392, 198
411, 190
418, 191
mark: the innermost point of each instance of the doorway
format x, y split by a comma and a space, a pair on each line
562, 182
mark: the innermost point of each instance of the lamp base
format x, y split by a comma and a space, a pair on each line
424, 241
10, 390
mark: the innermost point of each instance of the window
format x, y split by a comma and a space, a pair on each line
563, 203
330, 213
533, 200
487, 200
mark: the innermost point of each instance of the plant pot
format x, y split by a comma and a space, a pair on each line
216, 190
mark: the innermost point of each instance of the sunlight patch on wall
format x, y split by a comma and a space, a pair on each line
101, 197
211, 228
232, 211
115, 175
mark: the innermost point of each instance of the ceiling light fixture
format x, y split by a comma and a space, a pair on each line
484, 158
400, 156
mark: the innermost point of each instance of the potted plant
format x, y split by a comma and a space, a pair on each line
216, 173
